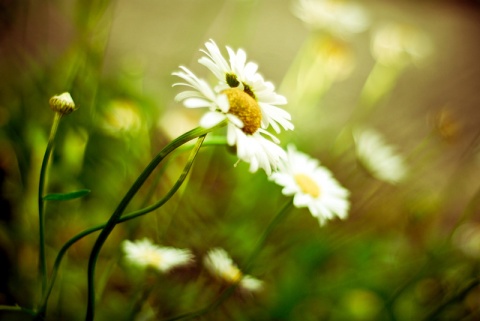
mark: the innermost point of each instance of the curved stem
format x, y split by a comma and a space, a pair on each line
261, 242
114, 219
41, 206
226, 294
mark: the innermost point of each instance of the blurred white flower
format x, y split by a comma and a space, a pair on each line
143, 253
380, 159
122, 116
243, 98
395, 44
220, 265
338, 18
337, 58
312, 186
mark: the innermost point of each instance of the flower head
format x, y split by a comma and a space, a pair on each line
62, 104
312, 186
380, 159
339, 18
144, 253
242, 97
221, 266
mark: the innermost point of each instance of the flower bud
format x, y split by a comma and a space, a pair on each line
62, 104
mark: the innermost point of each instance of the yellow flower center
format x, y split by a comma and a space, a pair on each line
307, 185
232, 274
245, 108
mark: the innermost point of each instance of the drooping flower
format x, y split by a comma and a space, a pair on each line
379, 159
339, 18
312, 186
220, 265
143, 253
245, 99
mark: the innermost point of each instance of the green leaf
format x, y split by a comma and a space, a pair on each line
66, 196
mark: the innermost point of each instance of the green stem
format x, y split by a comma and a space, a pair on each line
41, 206
114, 219
261, 242
16, 309
226, 294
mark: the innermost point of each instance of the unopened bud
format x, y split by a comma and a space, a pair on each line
62, 104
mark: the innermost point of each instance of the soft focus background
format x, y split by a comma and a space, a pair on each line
408, 251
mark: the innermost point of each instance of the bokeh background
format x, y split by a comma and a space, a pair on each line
408, 251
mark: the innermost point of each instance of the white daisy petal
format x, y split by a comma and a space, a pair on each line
196, 103
210, 119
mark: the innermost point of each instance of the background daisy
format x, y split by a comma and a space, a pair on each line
220, 265
379, 159
312, 186
143, 253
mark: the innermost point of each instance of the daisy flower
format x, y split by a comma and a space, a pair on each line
242, 97
339, 18
143, 253
312, 186
220, 265
378, 158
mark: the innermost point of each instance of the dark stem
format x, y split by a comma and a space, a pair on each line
41, 206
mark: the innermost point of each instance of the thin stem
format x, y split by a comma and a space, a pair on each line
16, 309
263, 239
114, 219
458, 297
41, 206
226, 294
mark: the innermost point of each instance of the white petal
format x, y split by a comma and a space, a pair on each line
211, 119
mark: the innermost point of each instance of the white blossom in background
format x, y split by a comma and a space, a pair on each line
143, 253
380, 159
243, 98
312, 186
395, 43
220, 265
339, 18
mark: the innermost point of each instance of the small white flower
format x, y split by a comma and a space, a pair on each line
339, 18
220, 265
243, 98
312, 186
144, 253
395, 44
380, 159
